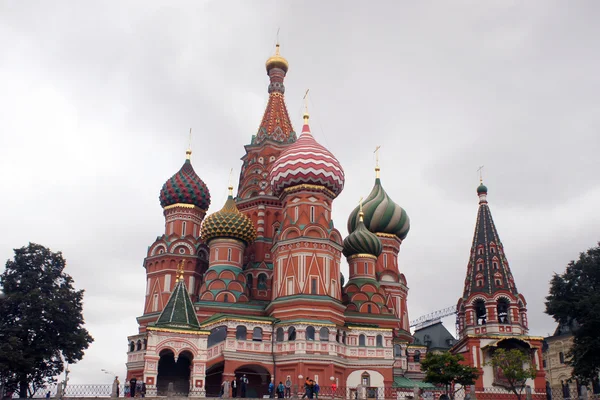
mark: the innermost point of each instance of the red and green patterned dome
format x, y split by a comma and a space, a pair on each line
185, 187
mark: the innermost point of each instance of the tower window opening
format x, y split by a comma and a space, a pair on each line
225, 298
183, 226
279, 335
479, 266
369, 308
385, 261
493, 249
313, 286
561, 357
417, 356
480, 251
296, 214
379, 341
498, 282
228, 254
324, 334
344, 337
241, 332
479, 282
310, 333
257, 334
312, 214
362, 341
249, 281
155, 302
291, 333
216, 254
131, 347
366, 269
495, 264
480, 312
503, 311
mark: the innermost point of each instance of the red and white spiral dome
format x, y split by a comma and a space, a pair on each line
307, 162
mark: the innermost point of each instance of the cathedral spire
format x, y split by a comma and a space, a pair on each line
488, 270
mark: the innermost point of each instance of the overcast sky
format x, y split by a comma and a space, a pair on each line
96, 100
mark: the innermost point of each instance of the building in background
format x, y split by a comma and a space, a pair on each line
491, 313
434, 337
254, 291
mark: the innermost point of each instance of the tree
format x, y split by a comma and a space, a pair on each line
41, 321
574, 301
446, 369
516, 366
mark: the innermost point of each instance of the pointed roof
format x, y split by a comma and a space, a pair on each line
435, 337
488, 271
179, 312
276, 124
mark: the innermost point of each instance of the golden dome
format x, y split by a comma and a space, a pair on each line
277, 61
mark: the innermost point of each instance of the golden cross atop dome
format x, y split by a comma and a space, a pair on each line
306, 116
180, 271
377, 169
361, 214
480, 169
230, 186
188, 152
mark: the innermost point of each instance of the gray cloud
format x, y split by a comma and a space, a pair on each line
97, 100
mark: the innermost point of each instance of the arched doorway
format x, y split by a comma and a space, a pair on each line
176, 371
258, 380
213, 380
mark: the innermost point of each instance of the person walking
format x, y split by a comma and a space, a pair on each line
132, 383
306, 388
233, 387
288, 388
244, 385
125, 390
271, 389
280, 390
117, 383
143, 389
316, 389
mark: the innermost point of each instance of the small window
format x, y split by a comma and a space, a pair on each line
262, 282
290, 286
226, 298
366, 269
241, 332
228, 254
379, 341
480, 251
155, 302
257, 334
138, 346
479, 283
131, 347
493, 249
344, 337
397, 350
291, 333
385, 261
249, 281
183, 229
369, 308
279, 335
362, 341
310, 333
312, 214
365, 379
498, 282
479, 266
337, 336
324, 334
296, 214
417, 356
216, 254
313, 286
561, 357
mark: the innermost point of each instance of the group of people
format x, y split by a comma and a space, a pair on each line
281, 389
134, 388
311, 389
243, 385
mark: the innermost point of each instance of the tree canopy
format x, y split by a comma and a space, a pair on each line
574, 301
516, 366
446, 369
41, 320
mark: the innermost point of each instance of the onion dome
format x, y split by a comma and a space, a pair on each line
382, 215
185, 187
277, 61
228, 222
481, 188
306, 162
362, 241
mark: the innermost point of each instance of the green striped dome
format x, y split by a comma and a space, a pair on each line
382, 215
362, 241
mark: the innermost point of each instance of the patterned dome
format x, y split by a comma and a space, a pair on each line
382, 215
362, 241
307, 162
481, 189
229, 222
185, 187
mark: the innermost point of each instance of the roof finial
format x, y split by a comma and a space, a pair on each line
306, 116
361, 214
188, 152
480, 174
377, 169
230, 187
180, 271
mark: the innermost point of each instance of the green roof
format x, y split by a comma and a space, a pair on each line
179, 312
218, 316
404, 382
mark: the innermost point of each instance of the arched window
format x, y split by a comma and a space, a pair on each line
279, 335
337, 336
296, 214
217, 335
344, 338
368, 308
397, 350
131, 347
312, 214
417, 356
138, 345
310, 333
362, 341
495, 264
503, 311
379, 341
257, 334
561, 357
241, 333
249, 279
324, 334
262, 281
291, 333
480, 312
365, 379
145, 344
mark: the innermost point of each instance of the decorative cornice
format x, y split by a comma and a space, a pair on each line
387, 235
170, 330
309, 187
182, 205
361, 255
368, 328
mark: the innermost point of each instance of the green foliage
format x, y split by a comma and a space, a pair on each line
41, 321
446, 369
574, 300
512, 363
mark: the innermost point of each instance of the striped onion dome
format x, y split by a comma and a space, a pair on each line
228, 222
382, 215
362, 241
306, 162
185, 187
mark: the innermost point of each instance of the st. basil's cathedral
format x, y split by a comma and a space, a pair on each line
255, 289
